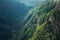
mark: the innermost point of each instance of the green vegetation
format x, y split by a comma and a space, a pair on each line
42, 25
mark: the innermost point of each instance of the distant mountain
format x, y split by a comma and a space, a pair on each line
30, 2
11, 14
13, 9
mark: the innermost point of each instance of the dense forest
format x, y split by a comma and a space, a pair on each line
41, 22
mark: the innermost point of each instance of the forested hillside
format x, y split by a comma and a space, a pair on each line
21, 22
41, 23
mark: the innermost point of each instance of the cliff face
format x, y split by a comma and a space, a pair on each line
42, 23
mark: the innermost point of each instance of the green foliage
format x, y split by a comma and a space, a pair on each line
39, 27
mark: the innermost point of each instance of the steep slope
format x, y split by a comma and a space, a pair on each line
43, 23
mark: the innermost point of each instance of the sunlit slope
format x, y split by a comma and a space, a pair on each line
41, 23
37, 27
